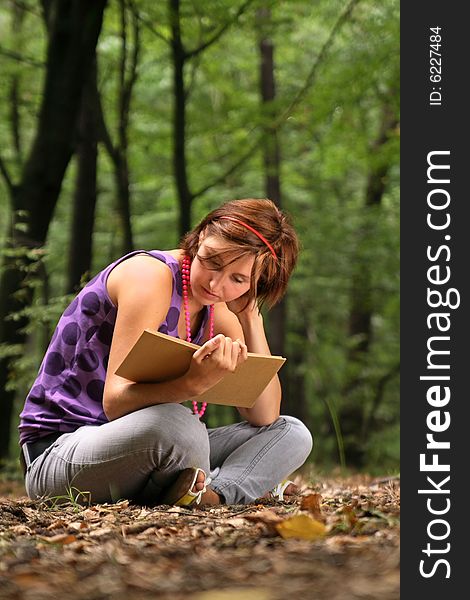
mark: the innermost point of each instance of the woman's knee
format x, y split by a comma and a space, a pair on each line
173, 425
300, 438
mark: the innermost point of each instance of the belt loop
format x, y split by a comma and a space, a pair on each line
27, 458
24, 458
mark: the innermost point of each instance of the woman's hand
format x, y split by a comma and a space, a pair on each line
243, 307
212, 361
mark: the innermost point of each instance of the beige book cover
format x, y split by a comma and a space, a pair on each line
158, 357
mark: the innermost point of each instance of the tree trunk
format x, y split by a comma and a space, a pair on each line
179, 120
15, 85
292, 383
73, 34
84, 202
118, 151
126, 86
271, 157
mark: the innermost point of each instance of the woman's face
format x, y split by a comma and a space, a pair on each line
213, 282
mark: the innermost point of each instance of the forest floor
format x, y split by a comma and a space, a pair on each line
337, 540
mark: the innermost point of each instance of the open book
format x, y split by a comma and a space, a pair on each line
158, 357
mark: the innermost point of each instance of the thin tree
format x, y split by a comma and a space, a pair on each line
118, 149
180, 58
74, 27
294, 401
84, 199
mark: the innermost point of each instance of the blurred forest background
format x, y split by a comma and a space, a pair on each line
122, 122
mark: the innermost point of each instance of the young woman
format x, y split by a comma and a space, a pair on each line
87, 428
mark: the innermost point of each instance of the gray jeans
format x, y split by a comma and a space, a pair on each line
140, 454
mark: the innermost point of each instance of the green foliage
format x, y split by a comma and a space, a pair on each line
328, 154
73, 497
40, 318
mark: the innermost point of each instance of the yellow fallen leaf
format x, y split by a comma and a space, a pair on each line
302, 527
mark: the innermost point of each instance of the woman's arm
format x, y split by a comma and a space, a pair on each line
141, 289
249, 327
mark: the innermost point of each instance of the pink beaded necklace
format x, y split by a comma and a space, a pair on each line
185, 271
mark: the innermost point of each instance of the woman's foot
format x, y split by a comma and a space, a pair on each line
209, 496
189, 489
279, 491
291, 490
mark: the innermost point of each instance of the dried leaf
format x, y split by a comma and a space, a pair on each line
350, 515
29, 513
109, 518
60, 538
58, 524
106, 508
311, 503
21, 530
78, 526
235, 522
27, 580
91, 514
255, 593
302, 527
135, 528
102, 532
264, 516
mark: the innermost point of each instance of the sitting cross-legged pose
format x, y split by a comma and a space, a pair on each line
85, 428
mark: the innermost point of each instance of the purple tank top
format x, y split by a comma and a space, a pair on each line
68, 391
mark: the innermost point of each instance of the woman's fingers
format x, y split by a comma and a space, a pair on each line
243, 351
236, 350
228, 353
239, 352
209, 347
224, 351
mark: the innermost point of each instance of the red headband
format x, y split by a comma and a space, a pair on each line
261, 237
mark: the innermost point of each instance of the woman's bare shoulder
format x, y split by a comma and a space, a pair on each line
143, 273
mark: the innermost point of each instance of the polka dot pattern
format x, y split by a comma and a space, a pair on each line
88, 360
55, 363
71, 333
179, 285
68, 391
172, 318
38, 394
71, 388
90, 304
107, 306
72, 307
105, 333
90, 332
76, 409
95, 390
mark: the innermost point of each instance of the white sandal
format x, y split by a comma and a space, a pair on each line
278, 492
181, 492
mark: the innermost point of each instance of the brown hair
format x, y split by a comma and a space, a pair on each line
270, 275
